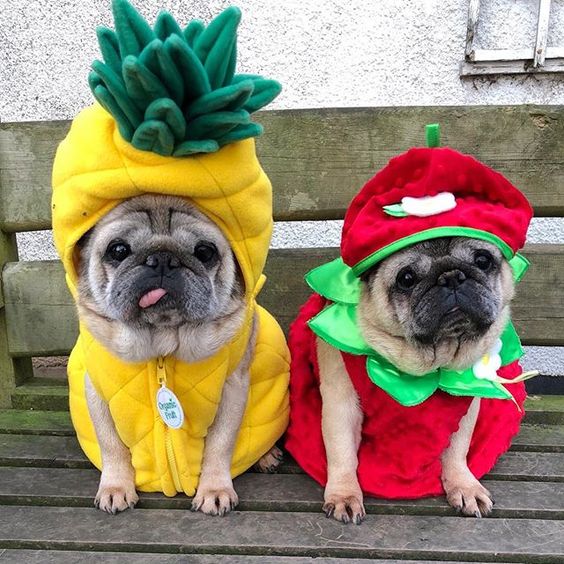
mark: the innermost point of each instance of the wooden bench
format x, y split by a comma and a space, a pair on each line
317, 160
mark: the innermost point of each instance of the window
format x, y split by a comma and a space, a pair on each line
537, 59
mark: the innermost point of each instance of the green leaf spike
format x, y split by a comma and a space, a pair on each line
173, 90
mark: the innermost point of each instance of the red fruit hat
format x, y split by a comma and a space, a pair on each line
433, 192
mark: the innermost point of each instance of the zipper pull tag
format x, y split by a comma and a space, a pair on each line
168, 405
161, 372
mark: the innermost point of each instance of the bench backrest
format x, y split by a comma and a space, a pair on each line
317, 160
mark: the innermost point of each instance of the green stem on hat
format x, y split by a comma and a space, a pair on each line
433, 135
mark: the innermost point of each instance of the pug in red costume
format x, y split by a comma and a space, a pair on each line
405, 377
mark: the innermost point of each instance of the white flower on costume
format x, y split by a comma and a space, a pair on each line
486, 368
428, 205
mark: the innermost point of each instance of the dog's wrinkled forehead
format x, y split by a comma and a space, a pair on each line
150, 216
423, 255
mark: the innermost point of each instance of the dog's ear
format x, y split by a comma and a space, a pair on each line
81, 243
238, 290
369, 274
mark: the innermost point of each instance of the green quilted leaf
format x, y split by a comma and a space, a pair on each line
154, 136
230, 97
230, 71
193, 147
193, 30
265, 91
404, 388
466, 384
157, 59
196, 81
217, 123
241, 132
245, 76
221, 29
166, 25
108, 102
174, 90
109, 47
215, 45
165, 110
132, 31
141, 84
115, 87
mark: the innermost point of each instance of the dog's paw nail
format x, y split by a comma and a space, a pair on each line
358, 519
329, 510
477, 514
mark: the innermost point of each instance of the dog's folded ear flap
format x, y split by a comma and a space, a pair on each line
81, 243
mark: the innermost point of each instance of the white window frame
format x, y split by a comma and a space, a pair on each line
536, 60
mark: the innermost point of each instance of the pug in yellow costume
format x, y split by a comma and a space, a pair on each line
162, 217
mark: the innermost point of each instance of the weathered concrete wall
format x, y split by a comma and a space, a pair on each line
330, 53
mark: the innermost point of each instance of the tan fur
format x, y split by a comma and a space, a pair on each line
464, 492
341, 422
381, 327
189, 342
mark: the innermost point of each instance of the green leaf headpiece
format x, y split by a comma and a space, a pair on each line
174, 91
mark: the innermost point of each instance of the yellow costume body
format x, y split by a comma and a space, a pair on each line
95, 170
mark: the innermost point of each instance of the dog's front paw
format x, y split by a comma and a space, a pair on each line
469, 497
346, 508
270, 461
116, 496
215, 501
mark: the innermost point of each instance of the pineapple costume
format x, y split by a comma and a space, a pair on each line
173, 118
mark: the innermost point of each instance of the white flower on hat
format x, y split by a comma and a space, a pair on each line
486, 368
422, 207
428, 205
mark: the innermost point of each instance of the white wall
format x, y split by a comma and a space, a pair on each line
325, 53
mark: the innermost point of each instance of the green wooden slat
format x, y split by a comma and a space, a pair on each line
270, 492
318, 159
548, 410
29, 422
64, 452
42, 317
284, 534
533, 438
9, 556
43, 398
12, 371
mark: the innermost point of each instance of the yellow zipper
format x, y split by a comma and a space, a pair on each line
161, 377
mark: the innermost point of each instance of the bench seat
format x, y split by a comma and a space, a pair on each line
317, 160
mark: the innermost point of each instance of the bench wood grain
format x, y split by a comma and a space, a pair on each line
318, 159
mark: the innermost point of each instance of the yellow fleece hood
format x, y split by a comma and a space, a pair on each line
173, 92
95, 170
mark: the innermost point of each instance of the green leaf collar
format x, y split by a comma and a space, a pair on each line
337, 325
174, 91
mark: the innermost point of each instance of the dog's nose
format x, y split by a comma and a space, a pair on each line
163, 261
451, 279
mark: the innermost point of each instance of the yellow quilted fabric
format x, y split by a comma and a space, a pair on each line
94, 170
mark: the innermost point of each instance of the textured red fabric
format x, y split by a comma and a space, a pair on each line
485, 200
399, 454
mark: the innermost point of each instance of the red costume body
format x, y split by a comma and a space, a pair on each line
401, 447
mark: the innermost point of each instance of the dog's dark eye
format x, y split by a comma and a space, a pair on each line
205, 252
483, 260
118, 251
406, 278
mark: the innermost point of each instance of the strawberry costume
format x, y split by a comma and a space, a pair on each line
408, 421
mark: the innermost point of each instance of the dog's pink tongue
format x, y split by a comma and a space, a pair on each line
151, 298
